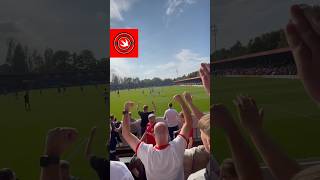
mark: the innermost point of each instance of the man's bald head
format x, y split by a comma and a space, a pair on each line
161, 133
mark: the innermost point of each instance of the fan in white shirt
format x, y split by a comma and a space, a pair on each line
171, 118
164, 161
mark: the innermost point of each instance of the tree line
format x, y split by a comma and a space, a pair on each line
264, 42
22, 59
118, 82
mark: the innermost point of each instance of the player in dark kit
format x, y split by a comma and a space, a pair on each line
27, 101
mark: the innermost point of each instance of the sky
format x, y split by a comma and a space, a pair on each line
60, 24
246, 19
174, 36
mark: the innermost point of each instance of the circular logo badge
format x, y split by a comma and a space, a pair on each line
123, 43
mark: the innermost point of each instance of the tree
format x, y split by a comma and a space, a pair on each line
11, 43
19, 59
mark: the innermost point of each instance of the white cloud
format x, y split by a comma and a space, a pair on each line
183, 62
118, 7
188, 55
176, 6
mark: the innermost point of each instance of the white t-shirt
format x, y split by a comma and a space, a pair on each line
171, 117
119, 171
163, 163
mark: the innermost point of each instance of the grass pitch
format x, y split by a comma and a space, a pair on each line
292, 119
200, 98
22, 133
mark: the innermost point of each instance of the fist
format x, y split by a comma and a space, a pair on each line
59, 140
187, 96
128, 105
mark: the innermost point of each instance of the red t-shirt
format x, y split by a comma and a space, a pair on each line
150, 134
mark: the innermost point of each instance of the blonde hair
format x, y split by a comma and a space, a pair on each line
204, 124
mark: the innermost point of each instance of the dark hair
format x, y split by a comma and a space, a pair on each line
170, 104
6, 174
111, 116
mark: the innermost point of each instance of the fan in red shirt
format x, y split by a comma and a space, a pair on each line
148, 136
190, 138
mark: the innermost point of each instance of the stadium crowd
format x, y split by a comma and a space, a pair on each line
165, 158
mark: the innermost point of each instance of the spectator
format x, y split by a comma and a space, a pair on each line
171, 118
190, 137
144, 116
148, 136
165, 160
7, 174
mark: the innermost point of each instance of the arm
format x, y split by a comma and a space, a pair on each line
246, 164
154, 107
205, 76
303, 36
186, 128
131, 139
281, 166
88, 150
143, 137
193, 108
58, 140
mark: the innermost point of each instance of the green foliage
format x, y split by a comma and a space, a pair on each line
264, 42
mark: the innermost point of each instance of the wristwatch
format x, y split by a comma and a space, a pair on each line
46, 160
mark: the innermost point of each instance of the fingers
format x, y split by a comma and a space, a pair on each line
303, 26
300, 51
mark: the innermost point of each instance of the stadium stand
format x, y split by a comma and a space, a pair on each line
273, 62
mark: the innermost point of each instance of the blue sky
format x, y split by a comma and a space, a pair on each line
174, 36
246, 19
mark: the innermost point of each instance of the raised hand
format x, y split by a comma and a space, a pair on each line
205, 76
222, 117
128, 105
250, 115
59, 140
303, 35
187, 97
178, 98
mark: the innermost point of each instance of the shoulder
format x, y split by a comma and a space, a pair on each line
118, 169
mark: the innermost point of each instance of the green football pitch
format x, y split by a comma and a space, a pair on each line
161, 96
22, 134
290, 117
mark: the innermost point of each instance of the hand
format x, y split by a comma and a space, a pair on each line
59, 140
304, 39
128, 105
187, 97
222, 117
177, 98
250, 116
205, 76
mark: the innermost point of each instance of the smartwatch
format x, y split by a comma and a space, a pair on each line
46, 160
